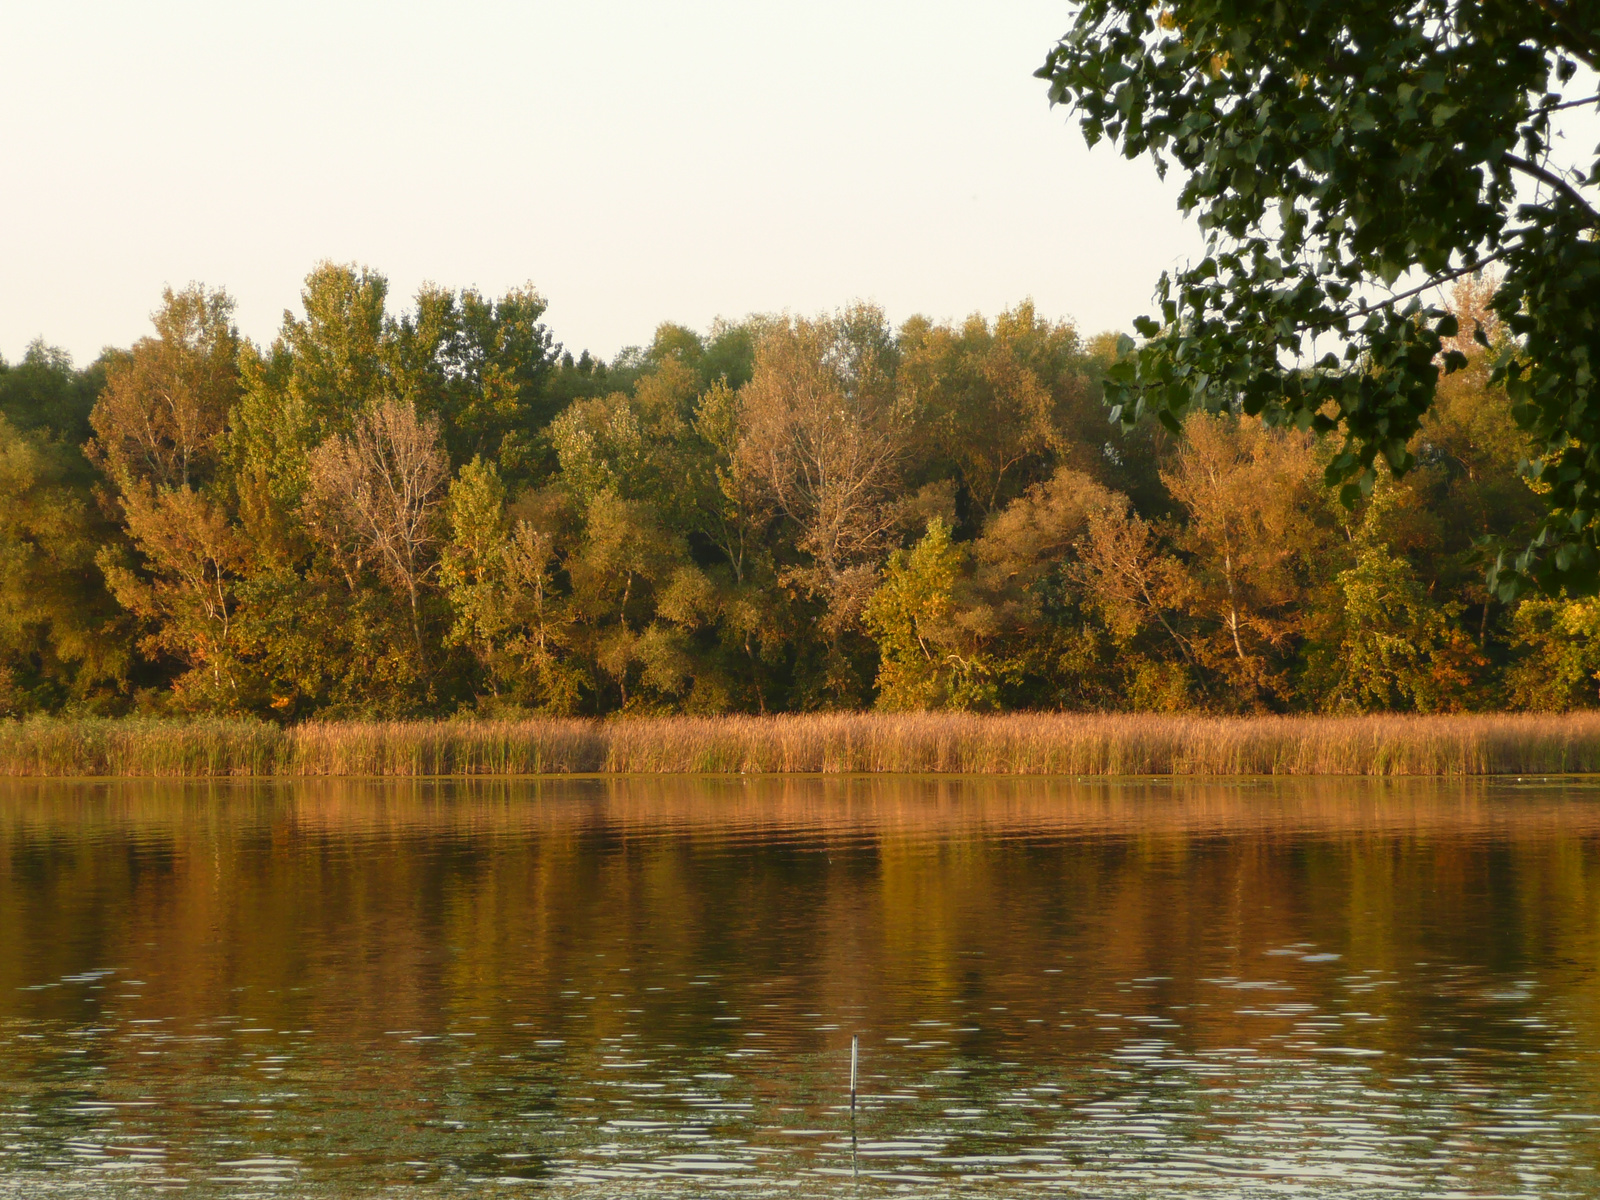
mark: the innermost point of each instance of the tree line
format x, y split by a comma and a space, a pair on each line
437, 511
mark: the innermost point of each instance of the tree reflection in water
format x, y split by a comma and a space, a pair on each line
631, 984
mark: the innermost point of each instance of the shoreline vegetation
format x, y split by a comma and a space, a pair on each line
834, 743
419, 513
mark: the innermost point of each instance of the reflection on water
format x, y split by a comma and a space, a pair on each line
648, 986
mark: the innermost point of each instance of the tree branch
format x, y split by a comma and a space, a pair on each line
1555, 181
1564, 105
1433, 282
1583, 44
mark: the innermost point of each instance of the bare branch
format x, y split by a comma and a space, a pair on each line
821, 437
381, 489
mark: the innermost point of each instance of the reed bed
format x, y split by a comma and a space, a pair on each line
835, 743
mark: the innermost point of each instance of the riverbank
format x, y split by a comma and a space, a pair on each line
1014, 744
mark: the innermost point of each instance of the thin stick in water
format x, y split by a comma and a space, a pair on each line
855, 1047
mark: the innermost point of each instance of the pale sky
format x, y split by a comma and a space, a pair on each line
636, 162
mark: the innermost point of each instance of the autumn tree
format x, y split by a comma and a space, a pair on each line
416, 510
1000, 402
1131, 579
375, 495
165, 405
1251, 535
181, 585
821, 431
159, 427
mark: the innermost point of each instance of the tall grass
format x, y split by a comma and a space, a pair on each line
135, 747
1017, 744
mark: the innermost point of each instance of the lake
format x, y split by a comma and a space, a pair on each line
649, 986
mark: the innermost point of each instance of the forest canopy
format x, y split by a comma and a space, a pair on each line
435, 509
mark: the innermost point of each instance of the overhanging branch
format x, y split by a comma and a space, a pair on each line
1433, 282
1550, 177
1584, 44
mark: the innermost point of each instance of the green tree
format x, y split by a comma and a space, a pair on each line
1558, 662
63, 640
501, 579
43, 393
927, 659
320, 372
1399, 649
1395, 647
1001, 402
338, 454
480, 367
1468, 452
1345, 159
602, 446
625, 558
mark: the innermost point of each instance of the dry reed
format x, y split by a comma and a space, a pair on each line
1016, 744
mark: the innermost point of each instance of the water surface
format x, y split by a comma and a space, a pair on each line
649, 986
